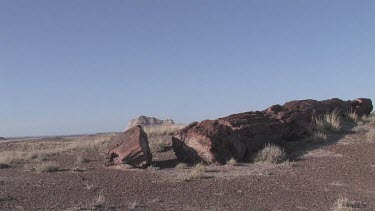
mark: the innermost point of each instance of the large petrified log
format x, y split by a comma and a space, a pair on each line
240, 135
130, 147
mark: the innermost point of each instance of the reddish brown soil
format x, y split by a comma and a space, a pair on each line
344, 166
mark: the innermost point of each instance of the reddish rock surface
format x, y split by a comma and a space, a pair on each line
362, 106
241, 135
130, 147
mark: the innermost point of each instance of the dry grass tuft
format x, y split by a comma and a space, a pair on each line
342, 204
100, 200
157, 146
197, 172
163, 129
46, 167
370, 135
290, 163
330, 122
89, 186
352, 116
133, 205
181, 166
270, 154
232, 162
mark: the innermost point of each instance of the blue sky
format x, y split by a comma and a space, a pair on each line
69, 67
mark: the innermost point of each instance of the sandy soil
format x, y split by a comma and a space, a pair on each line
343, 166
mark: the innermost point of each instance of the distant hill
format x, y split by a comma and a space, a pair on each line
148, 121
2, 139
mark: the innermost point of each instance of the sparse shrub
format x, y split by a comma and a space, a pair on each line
42, 157
181, 166
157, 146
328, 122
232, 162
270, 154
197, 172
46, 167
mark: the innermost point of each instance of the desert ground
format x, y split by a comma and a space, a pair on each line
331, 170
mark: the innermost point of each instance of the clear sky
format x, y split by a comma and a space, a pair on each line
69, 67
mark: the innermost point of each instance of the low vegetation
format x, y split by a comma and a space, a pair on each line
342, 204
99, 201
352, 116
270, 154
157, 146
197, 172
42, 150
46, 167
370, 135
181, 166
163, 129
232, 162
290, 163
134, 205
330, 122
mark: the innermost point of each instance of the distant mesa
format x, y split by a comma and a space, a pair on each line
2, 139
148, 121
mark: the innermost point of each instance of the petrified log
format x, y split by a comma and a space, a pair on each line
130, 147
240, 135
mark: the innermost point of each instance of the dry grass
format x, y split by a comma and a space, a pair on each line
46, 167
232, 162
181, 166
342, 204
157, 146
99, 201
370, 135
8, 157
133, 205
42, 150
270, 154
352, 116
330, 122
290, 163
88, 144
197, 172
163, 129
89, 186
